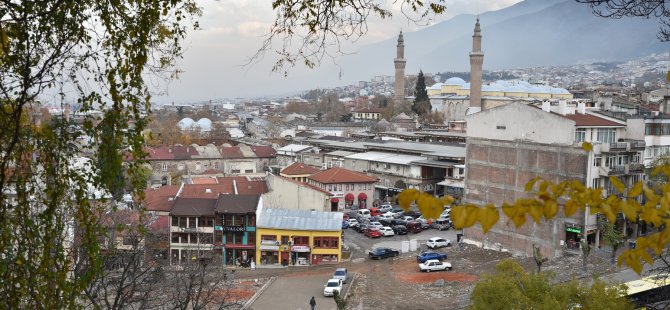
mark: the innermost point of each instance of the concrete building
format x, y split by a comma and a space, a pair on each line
367, 114
349, 189
399, 62
509, 145
286, 193
298, 172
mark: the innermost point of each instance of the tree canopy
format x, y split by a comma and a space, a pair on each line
421, 104
511, 287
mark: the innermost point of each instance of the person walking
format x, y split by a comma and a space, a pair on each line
312, 303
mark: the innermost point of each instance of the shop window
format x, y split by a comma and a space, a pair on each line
301, 240
251, 238
284, 239
269, 238
229, 238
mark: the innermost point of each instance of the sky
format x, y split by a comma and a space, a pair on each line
231, 31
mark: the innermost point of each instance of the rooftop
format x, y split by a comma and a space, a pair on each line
341, 175
300, 169
290, 219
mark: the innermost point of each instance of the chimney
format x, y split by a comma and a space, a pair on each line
235, 186
546, 106
581, 107
562, 107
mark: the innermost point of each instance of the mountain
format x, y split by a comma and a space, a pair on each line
529, 33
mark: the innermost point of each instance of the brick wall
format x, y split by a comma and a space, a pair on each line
497, 172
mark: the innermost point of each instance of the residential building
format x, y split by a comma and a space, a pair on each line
287, 193
191, 230
299, 171
509, 145
350, 189
367, 114
235, 227
298, 237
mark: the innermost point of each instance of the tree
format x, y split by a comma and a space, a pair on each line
513, 288
309, 30
421, 104
635, 8
340, 302
100, 53
612, 236
585, 247
538, 258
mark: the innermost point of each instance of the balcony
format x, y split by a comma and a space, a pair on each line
636, 168
621, 170
625, 146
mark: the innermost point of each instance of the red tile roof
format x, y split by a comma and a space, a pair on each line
231, 152
300, 169
158, 199
264, 151
225, 186
204, 181
591, 120
212, 171
158, 153
338, 175
314, 187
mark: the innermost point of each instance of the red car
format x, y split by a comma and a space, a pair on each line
373, 233
345, 217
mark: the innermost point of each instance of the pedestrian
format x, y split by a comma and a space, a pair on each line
312, 303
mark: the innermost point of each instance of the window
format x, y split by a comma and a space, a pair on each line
580, 135
326, 242
249, 171
251, 238
252, 220
182, 222
610, 161
339, 187
175, 221
175, 238
595, 183
238, 220
269, 238
229, 238
235, 171
206, 238
597, 161
284, 239
206, 222
238, 238
300, 240
606, 135
216, 165
193, 238
191, 222
164, 167
228, 220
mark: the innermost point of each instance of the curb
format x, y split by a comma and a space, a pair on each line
251, 300
353, 281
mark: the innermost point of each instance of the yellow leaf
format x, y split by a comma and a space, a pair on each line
550, 209
535, 212
587, 146
570, 207
607, 211
630, 209
472, 212
636, 190
617, 184
531, 183
447, 200
488, 216
458, 216
543, 186
429, 206
508, 210
519, 218
630, 258
407, 197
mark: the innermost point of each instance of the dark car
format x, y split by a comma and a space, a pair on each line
345, 224
379, 253
375, 218
386, 222
398, 210
424, 256
425, 225
362, 228
399, 229
398, 222
414, 226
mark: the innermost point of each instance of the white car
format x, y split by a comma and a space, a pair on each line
434, 265
407, 218
437, 242
332, 285
385, 208
353, 222
387, 231
388, 215
377, 225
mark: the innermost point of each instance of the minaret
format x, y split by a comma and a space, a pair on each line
476, 60
399, 62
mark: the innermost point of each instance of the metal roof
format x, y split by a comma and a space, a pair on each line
290, 219
383, 157
292, 148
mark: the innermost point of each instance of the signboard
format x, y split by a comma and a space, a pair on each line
233, 228
574, 230
216, 227
300, 248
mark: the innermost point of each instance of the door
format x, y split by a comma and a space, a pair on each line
284, 258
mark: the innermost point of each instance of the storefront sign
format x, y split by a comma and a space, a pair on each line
233, 228
300, 248
267, 247
216, 227
574, 230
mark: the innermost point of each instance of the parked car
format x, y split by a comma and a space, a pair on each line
414, 227
373, 232
437, 242
364, 213
379, 253
388, 216
332, 285
399, 229
345, 217
398, 210
398, 222
386, 222
434, 265
407, 218
375, 218
352, 222
441, 224
425, 226
428, 255
385, 208
362, 228
341, 274
345, 224
387, 231
376, 225
375, 212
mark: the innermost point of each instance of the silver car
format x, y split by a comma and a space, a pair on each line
341, 274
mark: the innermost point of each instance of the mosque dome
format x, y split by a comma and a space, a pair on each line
516, 89
559, 91
185, 123
205, 124
465, 86
454, 81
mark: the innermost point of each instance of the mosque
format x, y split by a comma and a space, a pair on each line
455, 98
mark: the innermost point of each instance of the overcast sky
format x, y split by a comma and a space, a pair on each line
232, 30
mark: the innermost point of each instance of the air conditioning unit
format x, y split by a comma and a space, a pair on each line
340, 164
324, 166
290, 243
458, 177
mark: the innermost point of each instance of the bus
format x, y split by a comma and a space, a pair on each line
652, 292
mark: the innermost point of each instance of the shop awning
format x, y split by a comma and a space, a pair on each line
362, 196
240, 246
349, 197
335, 200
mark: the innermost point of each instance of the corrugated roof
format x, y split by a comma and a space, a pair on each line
340, 175
300, 169
237, 203
290, 219
291, 148
390, 158
193, 207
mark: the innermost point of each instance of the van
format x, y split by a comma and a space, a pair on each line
441, 224
375, 212
414, 226
364, 213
